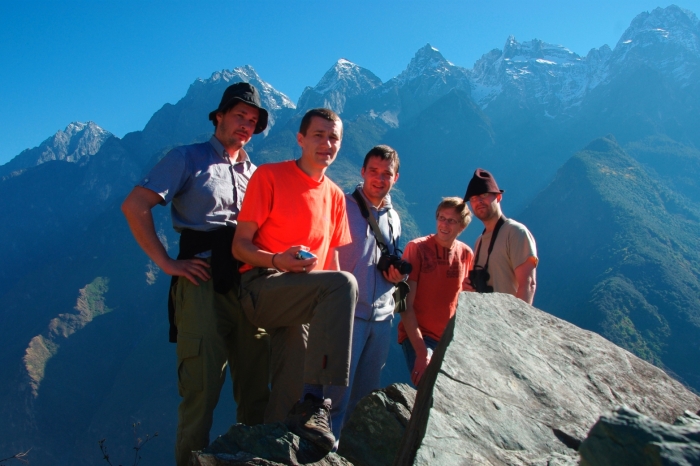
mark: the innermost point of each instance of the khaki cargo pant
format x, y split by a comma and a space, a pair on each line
316, 354
212, 329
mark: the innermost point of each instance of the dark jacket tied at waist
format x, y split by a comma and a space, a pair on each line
224, 268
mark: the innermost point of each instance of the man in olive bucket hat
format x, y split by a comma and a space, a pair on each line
505, 255
206, 183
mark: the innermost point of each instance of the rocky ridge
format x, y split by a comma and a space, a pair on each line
76, 144
344, 81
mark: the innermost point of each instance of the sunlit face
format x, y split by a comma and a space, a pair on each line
485, 206
235, 127
449, 226
379, 176
320, 145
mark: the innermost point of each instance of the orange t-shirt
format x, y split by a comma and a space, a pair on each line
439, 273
291, 209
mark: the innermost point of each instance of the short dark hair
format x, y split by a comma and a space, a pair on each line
384, 152
325, 113
458, 204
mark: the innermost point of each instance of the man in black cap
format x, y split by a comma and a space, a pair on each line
505, 255
206, 183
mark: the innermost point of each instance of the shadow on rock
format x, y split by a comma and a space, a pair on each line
265, 444
372, 436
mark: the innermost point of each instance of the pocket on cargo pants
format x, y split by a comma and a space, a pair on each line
190, 367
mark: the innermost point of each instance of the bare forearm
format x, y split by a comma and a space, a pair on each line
140, 219
249, 253
526, 291
246, 251
526, 277
410, 323
414, 334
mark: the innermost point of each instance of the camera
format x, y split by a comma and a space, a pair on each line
302, 255
479, 278
387, 260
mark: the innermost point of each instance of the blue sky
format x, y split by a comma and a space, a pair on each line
117, 62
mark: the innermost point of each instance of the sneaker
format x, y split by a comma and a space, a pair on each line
311, 419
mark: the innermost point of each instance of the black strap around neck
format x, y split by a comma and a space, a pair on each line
500, 223
364, 210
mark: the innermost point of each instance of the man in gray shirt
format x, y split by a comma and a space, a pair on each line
505, 255
374, 311
205, 184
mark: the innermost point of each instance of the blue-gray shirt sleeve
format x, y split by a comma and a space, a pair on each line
168, 176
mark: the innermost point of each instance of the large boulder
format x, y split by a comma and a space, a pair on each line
628, 438
510, 384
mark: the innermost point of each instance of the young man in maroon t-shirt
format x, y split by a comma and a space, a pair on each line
440, 266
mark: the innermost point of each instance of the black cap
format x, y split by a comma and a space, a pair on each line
246, 93
482, 182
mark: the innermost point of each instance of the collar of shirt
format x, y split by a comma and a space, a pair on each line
221, 151
386, 202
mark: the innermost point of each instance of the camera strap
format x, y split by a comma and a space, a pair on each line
498, 226
364, 210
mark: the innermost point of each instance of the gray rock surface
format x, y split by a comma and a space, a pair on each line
628, 438
507, 375
372, 436
268, 444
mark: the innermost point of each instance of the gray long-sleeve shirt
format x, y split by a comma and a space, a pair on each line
376, 301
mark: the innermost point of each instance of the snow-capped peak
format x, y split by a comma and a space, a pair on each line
548, 74
272, 99
667, 39
76, 144
347, 72
428, 60
671, 24
343, 80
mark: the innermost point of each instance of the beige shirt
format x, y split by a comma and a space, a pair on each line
514, 245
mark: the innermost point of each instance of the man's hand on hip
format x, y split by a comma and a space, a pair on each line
191, 269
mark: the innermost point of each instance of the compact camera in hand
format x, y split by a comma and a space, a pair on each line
303, 255
479, 278
387, 260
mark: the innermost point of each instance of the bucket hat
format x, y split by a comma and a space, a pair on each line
482, 182
246, 93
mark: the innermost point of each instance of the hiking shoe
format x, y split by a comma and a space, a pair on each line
311, 419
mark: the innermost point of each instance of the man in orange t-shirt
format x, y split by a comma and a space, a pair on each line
292, 208
440, 266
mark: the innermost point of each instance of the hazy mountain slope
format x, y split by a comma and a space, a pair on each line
676, 165
438, 150
620, 255
46, 205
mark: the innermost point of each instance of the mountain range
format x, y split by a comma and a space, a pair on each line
599, 156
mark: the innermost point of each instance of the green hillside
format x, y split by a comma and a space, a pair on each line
620, 255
